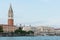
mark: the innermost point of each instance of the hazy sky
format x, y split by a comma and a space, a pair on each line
34, 12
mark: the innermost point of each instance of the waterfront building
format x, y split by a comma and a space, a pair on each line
10, 27
40, 30
57, 31
26, 28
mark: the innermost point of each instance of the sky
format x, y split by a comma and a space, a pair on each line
32, 12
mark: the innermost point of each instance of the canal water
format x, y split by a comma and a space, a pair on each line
31, 38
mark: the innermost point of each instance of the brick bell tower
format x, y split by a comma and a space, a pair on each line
10, 16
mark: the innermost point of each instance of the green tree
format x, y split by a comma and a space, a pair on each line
20, 28
30, 32
1, 29
17, 31
20, 31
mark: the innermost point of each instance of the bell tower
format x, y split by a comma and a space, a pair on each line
10, 16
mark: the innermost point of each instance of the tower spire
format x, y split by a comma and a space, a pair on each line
10, 15
10, 9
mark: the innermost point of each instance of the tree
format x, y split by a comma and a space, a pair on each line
17, 31
20, 28
1, 29
20, 31
30, 32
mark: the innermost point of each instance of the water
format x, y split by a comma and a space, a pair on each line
32, 38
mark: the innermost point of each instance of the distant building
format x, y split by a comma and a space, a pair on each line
57, 30
41, 30
26, 28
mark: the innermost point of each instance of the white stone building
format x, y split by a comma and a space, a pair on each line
40, 30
